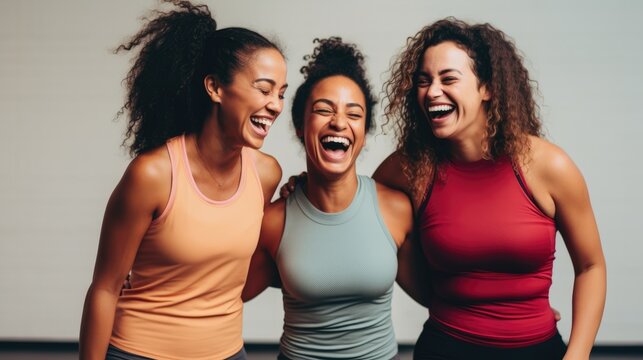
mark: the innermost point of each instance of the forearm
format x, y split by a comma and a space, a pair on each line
97, 323
588, 303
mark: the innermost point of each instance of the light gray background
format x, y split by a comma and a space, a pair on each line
60, 88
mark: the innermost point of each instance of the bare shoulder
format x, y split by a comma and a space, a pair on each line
266, 162
390, 173
148, 177
397, 210
269, 172
554, 170
549, 162
395, 200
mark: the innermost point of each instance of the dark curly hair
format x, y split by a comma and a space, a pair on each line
178, 49
330, 58
512, 111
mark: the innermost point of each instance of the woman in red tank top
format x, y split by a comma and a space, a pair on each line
489, 194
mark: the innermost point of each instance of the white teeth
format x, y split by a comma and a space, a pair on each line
262, 121
440, 108
336, 139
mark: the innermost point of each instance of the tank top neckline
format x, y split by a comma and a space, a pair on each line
475, 165
188, 174
325, 218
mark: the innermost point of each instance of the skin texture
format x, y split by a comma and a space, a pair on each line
215, 159
556, 183
335, 107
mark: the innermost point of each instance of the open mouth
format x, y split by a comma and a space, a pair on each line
262, 124
440, 111
335, 144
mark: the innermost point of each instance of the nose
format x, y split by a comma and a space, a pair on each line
435, 90
275, 105
338, 121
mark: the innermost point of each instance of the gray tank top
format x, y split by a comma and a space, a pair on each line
337, 272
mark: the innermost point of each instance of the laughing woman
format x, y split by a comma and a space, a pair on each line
490, 194
334, 243
201, 101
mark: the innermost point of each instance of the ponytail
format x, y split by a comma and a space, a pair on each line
178, 48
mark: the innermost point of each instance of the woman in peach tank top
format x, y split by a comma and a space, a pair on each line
184, 220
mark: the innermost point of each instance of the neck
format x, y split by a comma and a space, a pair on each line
466, 151
331, 195
213, 149
468, 147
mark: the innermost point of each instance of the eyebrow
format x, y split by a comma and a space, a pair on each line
330, 103
271, 81
441, 72
449, 70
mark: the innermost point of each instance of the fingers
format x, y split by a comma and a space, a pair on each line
289, 187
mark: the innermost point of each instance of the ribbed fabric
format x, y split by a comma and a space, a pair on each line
337, 272
491, 252
190, 269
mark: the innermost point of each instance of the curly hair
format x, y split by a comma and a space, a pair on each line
512, 111
178, 49
330, 58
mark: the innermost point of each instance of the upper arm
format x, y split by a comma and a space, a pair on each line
269, 174
397, 212
391, 174
412, 272
140, 195
263, 269
573, 211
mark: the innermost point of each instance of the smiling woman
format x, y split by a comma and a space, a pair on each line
489, 194
334, 244
200, 103
334, 132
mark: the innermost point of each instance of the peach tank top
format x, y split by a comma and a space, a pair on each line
190, 269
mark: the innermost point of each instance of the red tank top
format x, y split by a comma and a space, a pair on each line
491, 253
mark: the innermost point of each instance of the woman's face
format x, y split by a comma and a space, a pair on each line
449, 93
334, 126
250, 104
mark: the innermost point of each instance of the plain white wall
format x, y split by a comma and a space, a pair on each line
60, 88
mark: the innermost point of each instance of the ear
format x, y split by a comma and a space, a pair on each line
213, 88
486, 94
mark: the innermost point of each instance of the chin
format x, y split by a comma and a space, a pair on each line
253, 143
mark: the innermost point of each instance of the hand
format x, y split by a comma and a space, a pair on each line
289, 187
556, 314
126, 284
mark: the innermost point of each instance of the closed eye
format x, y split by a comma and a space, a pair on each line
323, 111
423, 82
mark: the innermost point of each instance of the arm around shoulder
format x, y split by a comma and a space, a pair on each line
391, 173
263, 269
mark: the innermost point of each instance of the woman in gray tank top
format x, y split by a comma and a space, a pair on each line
340, 241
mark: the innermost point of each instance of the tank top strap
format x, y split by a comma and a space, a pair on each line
370, 192
174, 151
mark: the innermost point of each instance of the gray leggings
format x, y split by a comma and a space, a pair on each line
114, 353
